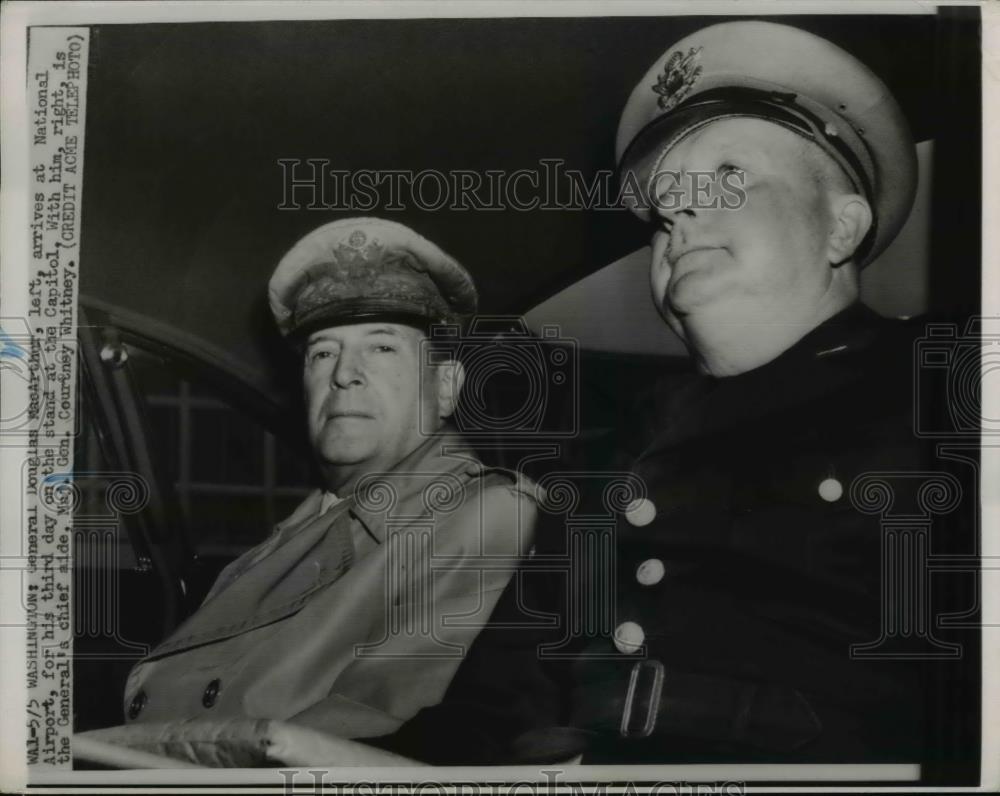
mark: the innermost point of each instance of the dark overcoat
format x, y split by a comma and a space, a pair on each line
737, 606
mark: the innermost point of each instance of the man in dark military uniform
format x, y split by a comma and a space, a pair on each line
748, 600
750, 571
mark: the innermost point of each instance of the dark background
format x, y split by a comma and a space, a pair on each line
186, 124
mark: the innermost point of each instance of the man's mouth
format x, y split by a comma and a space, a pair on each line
675, 257
335, 415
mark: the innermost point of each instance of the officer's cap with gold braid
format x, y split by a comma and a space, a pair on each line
787, 76
366, 269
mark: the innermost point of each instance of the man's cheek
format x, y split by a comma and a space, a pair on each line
659, 268
315, 395
658, 244
675, 324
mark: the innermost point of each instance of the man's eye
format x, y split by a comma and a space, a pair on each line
729, 168
384, 348
315, 356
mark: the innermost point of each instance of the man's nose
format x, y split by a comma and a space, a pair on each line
348, 371
676, 195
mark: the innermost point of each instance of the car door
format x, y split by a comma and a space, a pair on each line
181, 465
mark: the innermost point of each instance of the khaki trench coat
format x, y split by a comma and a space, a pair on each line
304, 629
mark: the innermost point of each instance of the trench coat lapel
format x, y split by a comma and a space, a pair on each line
310, 550
302, 557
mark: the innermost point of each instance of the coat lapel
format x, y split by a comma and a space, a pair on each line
275, 580
310, 550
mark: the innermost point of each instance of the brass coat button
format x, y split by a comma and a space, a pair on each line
628, 637
137, 704
831, 490
211, 693
650, 572
640, 512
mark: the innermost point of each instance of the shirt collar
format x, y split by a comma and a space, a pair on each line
329, 499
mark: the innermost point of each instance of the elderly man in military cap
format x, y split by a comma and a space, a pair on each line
749, 582
338, 621
747, 605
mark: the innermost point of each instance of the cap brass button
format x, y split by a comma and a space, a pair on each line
628, 637
650, 572
640, 511
211, 693
137, 704
831, 490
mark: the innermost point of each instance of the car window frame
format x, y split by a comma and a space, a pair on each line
158, 531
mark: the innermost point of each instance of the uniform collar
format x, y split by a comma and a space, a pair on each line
445, 459
816, 364
825, 354
853, 328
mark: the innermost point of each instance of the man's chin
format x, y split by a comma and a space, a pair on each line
340, 452
693, 291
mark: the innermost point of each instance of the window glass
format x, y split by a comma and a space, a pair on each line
117, 598
101, 533
222, 465
226, 481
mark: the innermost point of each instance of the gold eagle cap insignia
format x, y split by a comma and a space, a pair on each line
679, 75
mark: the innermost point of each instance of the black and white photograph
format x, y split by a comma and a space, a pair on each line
498, 396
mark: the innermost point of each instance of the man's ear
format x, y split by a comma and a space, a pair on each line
451, 377
852, 218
